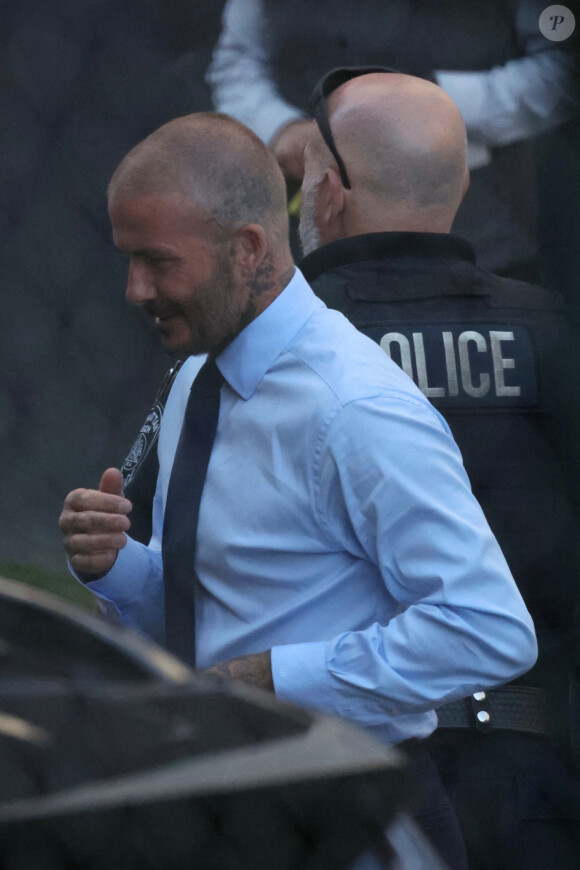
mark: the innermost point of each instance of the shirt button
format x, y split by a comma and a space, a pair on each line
483, 716
479, 696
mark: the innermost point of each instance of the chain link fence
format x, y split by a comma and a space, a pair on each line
82, 82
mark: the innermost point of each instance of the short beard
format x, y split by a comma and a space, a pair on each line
307, 229
223, 317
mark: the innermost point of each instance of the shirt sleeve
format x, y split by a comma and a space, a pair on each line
523, 98
239, 74
517, 101
131, 593
460, 621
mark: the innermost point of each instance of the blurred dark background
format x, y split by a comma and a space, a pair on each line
82, 81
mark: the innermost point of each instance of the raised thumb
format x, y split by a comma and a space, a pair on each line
112, 482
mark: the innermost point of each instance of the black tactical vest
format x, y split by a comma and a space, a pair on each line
493, 356
306, 39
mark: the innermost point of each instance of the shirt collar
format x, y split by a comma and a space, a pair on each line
248, 357
378, 246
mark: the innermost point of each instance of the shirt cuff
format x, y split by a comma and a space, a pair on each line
301, 676
121, 582
131, 593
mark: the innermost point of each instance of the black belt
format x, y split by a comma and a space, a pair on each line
512, 708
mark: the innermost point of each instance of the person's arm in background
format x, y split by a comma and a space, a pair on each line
525, 97
519, 100
239, 74
241, 85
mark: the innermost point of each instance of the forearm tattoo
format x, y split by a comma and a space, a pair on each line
254, 669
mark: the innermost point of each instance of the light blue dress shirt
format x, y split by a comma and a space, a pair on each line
337, 528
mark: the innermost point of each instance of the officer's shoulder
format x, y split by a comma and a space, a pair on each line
507, 292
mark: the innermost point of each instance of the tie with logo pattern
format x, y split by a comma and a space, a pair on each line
182, 509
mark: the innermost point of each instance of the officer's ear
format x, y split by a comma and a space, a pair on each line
331, 204
466, 183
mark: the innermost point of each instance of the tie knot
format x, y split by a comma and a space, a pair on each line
209, 379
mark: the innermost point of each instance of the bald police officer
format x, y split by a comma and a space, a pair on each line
385, 172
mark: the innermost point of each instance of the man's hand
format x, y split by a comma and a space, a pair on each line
288, 147
93, 524
255, 669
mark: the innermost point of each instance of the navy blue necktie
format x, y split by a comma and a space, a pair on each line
182, 509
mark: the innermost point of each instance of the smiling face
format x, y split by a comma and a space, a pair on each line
182, 272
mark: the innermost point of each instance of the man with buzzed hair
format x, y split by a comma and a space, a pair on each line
384, 176
341, 575
247, 189
236, 187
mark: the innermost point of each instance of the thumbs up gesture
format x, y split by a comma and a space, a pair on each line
94, 523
